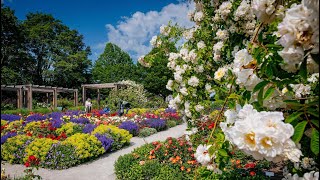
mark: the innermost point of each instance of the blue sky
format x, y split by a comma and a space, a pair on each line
128, 23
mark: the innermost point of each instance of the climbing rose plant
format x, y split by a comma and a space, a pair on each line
261, 58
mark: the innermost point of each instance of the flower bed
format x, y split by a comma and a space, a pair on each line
62, 140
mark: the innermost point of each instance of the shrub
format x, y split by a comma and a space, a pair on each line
123, 165
39, 148
13, 150
106, 142
156, 123
132, 127
61, 156
169, 173
65, 103
70, 129
171, 123
147, 132
87, 146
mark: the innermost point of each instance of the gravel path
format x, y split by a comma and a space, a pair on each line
101, 168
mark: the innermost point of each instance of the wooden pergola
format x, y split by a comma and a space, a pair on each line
24, 92
98, 87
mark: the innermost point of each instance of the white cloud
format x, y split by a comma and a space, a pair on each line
133, 33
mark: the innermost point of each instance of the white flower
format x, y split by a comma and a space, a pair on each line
199, 68
201, 45
193, 81
300, 89
198, 16
190, 15
307, 163
177, 76
224, 9
213, 167
220, 73
222, 34
142, 62
292, 56
208, 88
192, 56
263, 9
165, 30
188, 34
153, 40
202, 154
284, 90
169, 85
242, 58
199, 108
173, 56
312, 66
184, 91
218, 46
314, 78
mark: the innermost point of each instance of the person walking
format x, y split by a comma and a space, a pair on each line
88, 105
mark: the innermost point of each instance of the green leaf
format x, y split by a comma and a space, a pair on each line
211, 150
269, 70
260, 97
222, 152
314, 144
233, 96
298, 131
293, 102
303, 69
268, 93
293, 116
315, 122
246, 95
260, 85
313, 112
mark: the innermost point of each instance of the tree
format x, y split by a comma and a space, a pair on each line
113, 65
59, 53
15, 61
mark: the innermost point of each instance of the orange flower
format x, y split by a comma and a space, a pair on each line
178, 158
182, 168
152, 152
142, 162
189, 169
174, 161
252, 173
238, 161
171, 159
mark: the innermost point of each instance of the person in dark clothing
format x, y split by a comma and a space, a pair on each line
121, 109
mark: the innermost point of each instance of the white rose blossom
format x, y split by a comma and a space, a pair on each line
193, 81
198, 16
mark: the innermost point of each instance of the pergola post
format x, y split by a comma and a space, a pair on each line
98, 98
29, 98
19, 98
75, 94
47, 95
83, 95
55, 99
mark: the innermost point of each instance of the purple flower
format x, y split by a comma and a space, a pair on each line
132, 127
10, 117
170, 110
106, 142
6, 136
80, 120
55, 115
35, 117
73, 112
57, 122
157, 123
88, 128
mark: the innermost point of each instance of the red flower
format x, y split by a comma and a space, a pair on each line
27, 164
32, 158
252, 173
250, 165
29, 134
212, 125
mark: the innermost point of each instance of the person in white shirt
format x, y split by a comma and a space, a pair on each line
88, 105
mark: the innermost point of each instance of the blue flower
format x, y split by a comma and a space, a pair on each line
80, 120
157, 123
106, 142
10, 117
132, 127
6, 136
88, 128
35, 117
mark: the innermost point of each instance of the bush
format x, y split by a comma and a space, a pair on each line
171, 123
70, 129
123, 165
39, 148
13, 150
87, 146
169, 173
132, 127
65, 103
147, 132
61, 156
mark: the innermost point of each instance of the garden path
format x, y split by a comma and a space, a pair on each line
101, 168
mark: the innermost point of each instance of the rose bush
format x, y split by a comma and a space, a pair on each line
261, 59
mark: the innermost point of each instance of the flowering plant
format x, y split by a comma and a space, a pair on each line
132, 127
259, 57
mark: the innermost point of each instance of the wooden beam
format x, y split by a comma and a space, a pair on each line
98, 98
83, 95
29, 99
19, 98
75, 97
55, 100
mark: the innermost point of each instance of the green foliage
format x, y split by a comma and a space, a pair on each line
65, 103
147, 132
113, 65
14, 148
155, 102
171, 123
134, 94
87, 146
69, 128
25, 112
39, 148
